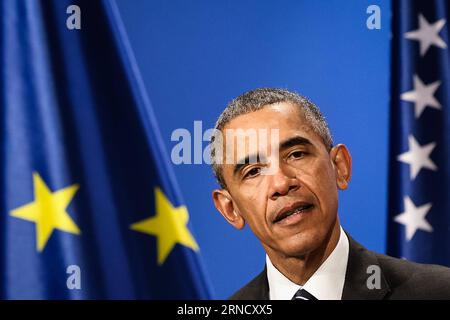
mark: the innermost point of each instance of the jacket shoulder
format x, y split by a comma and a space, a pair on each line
415, 280
256, 289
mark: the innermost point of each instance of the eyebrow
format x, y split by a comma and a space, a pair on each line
288, 143
295, 141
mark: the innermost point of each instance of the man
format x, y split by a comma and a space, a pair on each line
289, 198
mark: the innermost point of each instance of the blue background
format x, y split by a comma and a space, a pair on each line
195, 56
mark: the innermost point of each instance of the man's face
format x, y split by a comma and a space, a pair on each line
292, 208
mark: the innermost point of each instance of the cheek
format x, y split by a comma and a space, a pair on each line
325, 175
252, 204
254, 191
253, 208
328, 191
321, 180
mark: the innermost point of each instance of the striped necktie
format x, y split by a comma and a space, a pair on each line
303, 295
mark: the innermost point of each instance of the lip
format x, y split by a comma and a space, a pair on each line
283, 216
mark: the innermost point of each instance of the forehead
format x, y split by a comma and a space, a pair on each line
284, 116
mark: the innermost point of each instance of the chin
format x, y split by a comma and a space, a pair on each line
302, 243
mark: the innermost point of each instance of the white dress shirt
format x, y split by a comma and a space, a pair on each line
327, 283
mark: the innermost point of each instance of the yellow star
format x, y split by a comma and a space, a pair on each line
169, 225
48, 211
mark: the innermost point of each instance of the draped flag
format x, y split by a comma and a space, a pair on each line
419, 177
89, 208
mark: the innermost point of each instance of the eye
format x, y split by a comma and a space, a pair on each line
297, 154
252, 172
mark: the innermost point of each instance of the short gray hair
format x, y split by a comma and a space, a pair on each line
257, 99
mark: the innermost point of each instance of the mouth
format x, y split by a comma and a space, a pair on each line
289, 213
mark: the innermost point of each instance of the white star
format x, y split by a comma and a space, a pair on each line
413, 218
422, 96
427, 34
418, 157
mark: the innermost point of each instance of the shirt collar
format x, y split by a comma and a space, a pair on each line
327, 283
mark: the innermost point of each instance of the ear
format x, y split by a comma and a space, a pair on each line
342, 161
224, 203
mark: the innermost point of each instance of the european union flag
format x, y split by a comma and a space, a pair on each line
89, 206
419, 202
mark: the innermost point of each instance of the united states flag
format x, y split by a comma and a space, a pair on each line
419, 171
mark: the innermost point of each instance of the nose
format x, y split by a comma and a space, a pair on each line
282, 182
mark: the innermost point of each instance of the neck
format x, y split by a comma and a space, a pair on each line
299, 269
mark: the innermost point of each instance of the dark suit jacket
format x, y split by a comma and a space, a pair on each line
400, 279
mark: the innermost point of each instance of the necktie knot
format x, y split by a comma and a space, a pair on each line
302, 294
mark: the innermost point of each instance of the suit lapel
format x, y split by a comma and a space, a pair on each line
259, 287
355, 287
